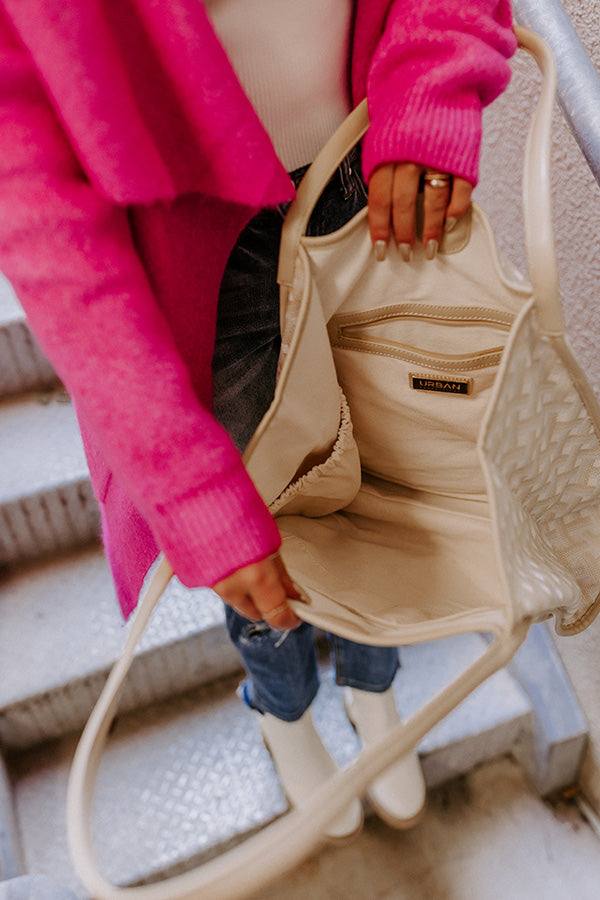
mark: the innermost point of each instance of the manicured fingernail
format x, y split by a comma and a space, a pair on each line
380, 248
450, 224
405, 252
431, 249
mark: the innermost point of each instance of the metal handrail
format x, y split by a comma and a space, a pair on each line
578, 80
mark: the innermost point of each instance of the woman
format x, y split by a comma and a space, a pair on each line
133, 153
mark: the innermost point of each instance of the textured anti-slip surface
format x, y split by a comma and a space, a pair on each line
65, 613
46, 499
22, 364
45, 449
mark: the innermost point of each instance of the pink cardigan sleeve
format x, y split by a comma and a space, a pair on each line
69, 255
438, 63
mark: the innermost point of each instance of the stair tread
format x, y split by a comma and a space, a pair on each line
181, 780
63, 614
10, 308
23, 365
44, 449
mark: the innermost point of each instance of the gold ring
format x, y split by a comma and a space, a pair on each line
437, 179
275, 612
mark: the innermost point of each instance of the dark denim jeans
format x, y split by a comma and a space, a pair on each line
282, 668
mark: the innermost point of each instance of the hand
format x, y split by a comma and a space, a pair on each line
260, 591
393, 190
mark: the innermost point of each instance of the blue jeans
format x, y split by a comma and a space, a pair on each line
282, 670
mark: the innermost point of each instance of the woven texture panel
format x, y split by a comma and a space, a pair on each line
543, 452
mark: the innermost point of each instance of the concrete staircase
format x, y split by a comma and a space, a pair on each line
185, 774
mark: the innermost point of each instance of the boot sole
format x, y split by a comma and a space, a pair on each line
394, 822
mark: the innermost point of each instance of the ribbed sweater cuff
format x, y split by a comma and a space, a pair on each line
418, 128
211, 533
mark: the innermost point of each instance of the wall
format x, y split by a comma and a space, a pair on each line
577, 222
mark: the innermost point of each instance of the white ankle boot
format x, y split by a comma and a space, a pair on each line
398, 795
303, 763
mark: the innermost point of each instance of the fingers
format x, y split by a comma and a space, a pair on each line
404, 202
460, 199
393, 193
436, 196
260, 591
380, 203
393, 190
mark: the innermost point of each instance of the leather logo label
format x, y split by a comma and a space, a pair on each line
440, 385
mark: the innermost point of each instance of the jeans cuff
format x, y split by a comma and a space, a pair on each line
378, 688
247, 694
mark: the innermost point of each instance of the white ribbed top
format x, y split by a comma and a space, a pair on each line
291, 57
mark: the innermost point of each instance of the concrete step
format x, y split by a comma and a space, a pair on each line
34, 887
183, 780
23, 366
46, 499
61, 631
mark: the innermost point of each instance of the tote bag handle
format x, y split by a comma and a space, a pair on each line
537, 201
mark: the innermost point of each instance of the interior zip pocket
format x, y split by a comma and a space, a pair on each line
418, 378
418, 333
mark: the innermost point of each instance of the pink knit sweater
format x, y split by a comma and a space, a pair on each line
130, 159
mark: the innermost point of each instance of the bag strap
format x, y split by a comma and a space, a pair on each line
537, 202
537, 192
312, 185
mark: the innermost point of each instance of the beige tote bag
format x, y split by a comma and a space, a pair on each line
432, 456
